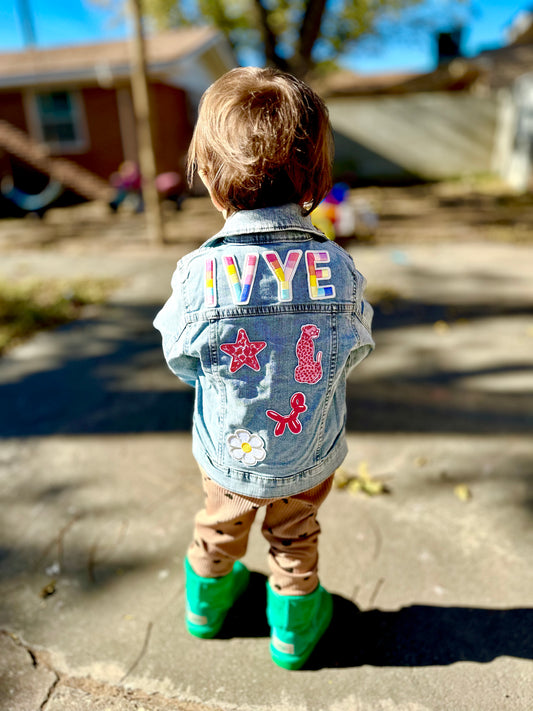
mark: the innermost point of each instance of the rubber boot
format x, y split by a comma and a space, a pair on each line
208, 600
297, 622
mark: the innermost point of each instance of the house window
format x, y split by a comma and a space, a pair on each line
60, 121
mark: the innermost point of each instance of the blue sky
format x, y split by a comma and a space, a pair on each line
71, 21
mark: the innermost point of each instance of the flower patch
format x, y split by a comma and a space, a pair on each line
246, 447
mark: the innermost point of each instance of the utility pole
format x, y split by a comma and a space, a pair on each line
27, 24
143, 119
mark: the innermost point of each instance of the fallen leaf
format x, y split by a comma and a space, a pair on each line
361, 482
373, 487
462, 491
441, 327
341, 478
355, 486
48, 590
362, 470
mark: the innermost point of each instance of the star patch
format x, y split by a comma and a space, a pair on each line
243, 352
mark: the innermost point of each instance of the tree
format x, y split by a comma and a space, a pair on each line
297, 35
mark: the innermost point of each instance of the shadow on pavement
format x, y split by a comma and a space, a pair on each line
422, 635
429, 391
414, 636
424, 407
396, 312
248, 617
108, 375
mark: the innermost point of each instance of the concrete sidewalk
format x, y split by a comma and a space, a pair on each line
433, 582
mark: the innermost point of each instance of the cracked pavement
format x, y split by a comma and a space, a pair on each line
432, 583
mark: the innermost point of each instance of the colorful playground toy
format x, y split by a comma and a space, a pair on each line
341, 218
29, 202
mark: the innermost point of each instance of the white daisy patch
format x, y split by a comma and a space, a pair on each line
246, 447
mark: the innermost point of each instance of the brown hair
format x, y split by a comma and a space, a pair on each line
262, 138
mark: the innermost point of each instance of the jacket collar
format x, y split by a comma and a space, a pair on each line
240, 225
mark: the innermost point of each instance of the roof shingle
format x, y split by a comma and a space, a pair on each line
84, 59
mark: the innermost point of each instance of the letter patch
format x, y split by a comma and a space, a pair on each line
316, 274
291, 420
241, 290
284, 274
210, 287
308, 369
243, 352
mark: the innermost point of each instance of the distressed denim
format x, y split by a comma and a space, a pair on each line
265, 320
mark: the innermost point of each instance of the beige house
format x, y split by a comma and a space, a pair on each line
461, 119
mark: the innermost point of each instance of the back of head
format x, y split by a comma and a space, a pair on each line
262, 139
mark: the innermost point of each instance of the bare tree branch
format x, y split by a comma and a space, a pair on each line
309, 33
270, 39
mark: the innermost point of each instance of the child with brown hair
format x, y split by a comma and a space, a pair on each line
266, 320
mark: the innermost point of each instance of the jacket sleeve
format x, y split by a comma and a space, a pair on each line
362, 323
364, 341
172, 324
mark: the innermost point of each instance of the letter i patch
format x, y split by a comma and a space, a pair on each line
241, 289
210, 284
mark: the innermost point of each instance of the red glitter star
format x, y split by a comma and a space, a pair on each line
243, 352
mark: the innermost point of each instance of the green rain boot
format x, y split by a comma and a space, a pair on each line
208, 600
297, 622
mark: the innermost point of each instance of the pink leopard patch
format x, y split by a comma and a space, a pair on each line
308, 369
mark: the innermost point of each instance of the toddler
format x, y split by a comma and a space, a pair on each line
266, 320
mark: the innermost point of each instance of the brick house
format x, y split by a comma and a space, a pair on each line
66, 113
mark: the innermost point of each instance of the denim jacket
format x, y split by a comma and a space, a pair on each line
266, 320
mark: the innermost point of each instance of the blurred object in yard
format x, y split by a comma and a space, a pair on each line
37, 203
341, 218
127, 183
170, 187
366, 219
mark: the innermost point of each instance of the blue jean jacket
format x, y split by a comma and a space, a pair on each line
266, 320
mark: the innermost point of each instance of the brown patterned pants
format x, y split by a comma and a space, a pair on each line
290, 526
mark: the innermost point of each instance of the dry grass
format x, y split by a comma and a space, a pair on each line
32, 305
